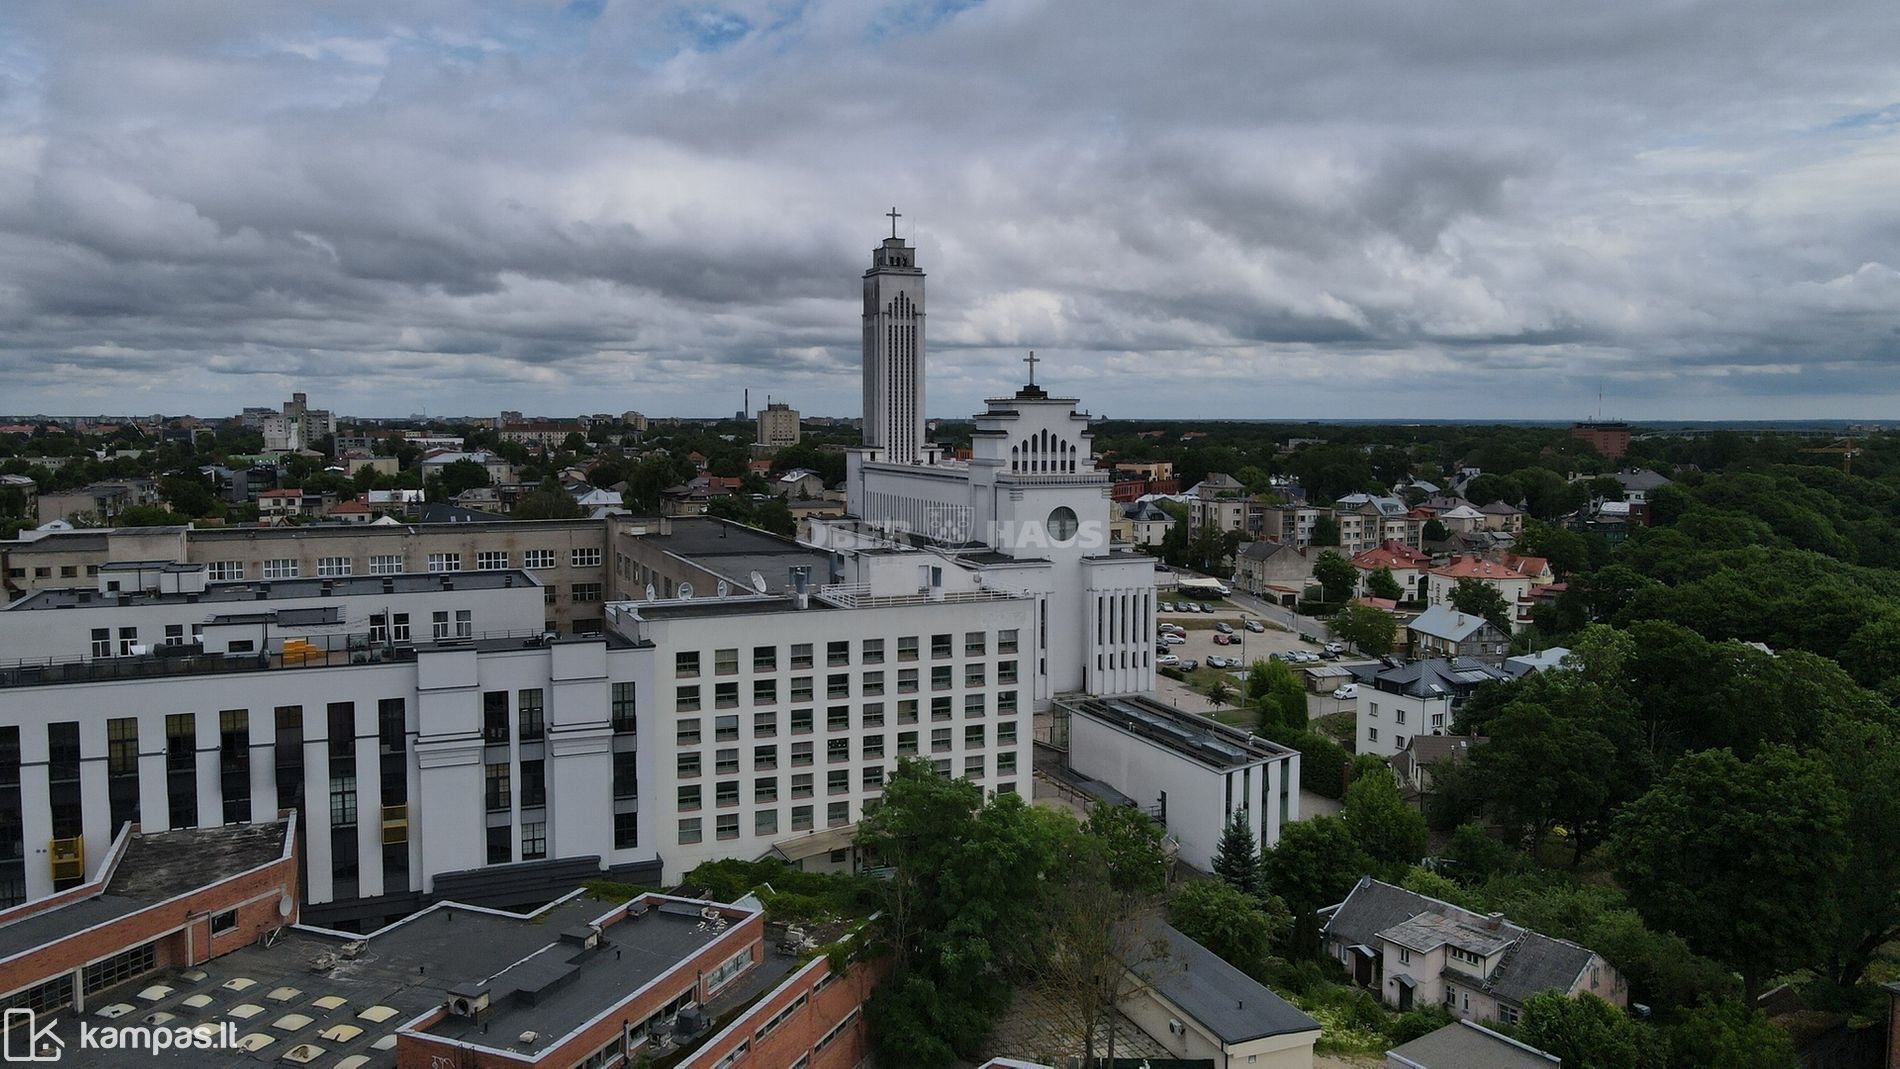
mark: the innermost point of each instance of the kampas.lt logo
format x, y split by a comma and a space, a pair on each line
27, 1040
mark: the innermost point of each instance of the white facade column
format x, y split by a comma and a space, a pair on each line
263, 757
205, 762
320, 886
36, 814
577, 753
369, 803
1272, 772
448, 823
95, 799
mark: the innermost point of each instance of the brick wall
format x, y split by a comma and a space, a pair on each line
422, 1051
829, 1000
182, 927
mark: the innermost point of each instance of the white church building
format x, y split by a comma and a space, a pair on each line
1023, 514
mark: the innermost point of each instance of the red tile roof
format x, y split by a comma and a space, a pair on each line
1510, 567
1391, 554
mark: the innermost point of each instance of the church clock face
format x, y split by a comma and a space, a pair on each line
1062, 524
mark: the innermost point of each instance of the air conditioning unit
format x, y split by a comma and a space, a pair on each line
468, 1000
1175, 1027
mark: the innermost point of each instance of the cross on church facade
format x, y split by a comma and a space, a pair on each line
894, 215
1032, 362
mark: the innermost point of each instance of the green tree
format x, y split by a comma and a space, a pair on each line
1381, 584
1325, 531
1728, 1035
462, 475
962, 910
1371, 630
1131, 847
1692, 853
547, 502
1392, 833
1336, 575
1276, 695
189, 495
1237, 861
1237, 927
1219, 691
1588, 1033
1314, 865
1475, 856
1476, 597
775, 515
1434, 531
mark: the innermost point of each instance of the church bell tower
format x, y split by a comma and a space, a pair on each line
894, 352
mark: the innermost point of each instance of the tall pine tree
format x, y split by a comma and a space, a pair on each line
1238, 860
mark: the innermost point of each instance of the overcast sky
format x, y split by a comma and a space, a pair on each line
1354, 208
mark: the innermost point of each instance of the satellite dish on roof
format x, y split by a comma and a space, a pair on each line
686, 591
284, 906
650, 593
758, 582
723, 588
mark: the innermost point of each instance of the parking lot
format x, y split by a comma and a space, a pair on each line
1200, 644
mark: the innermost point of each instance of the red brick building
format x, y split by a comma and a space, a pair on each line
1610, 439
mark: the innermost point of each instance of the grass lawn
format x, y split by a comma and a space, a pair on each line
1340, 727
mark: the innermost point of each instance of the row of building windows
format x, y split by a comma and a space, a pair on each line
688, 730
765, 822
725, 662
688, 697
765, 789
396, 563
838, 750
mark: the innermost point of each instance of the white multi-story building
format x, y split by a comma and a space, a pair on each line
1191, 774
297, 427
438, 743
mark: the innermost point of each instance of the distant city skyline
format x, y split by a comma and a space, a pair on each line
1225, 211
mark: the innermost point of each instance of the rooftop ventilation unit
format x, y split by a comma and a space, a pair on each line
468, 1000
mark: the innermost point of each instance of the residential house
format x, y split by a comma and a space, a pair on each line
28, 491
1417, 951
548, 434
1461, 518
1407, 565
1204, 1010
1420, 698
1443, 631
691, 498
1511, 575
1468, 1045
799, 483
496, 466
1366, 522
351, 511
1499, 516
1292, 524
1141, 523
1413, 766
1276, 571
1529, 663
393, 502
280, 506
1638, 484
1221, 502
99, 503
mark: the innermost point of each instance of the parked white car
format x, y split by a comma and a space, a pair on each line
1169, 638
1167, 659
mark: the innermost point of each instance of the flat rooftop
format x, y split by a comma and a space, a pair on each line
154, 868
1190, 736
735, 551
336, 985
266, 590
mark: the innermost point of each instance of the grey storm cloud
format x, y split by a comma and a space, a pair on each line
1370, 208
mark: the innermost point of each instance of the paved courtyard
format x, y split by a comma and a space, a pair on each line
1029, 1031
